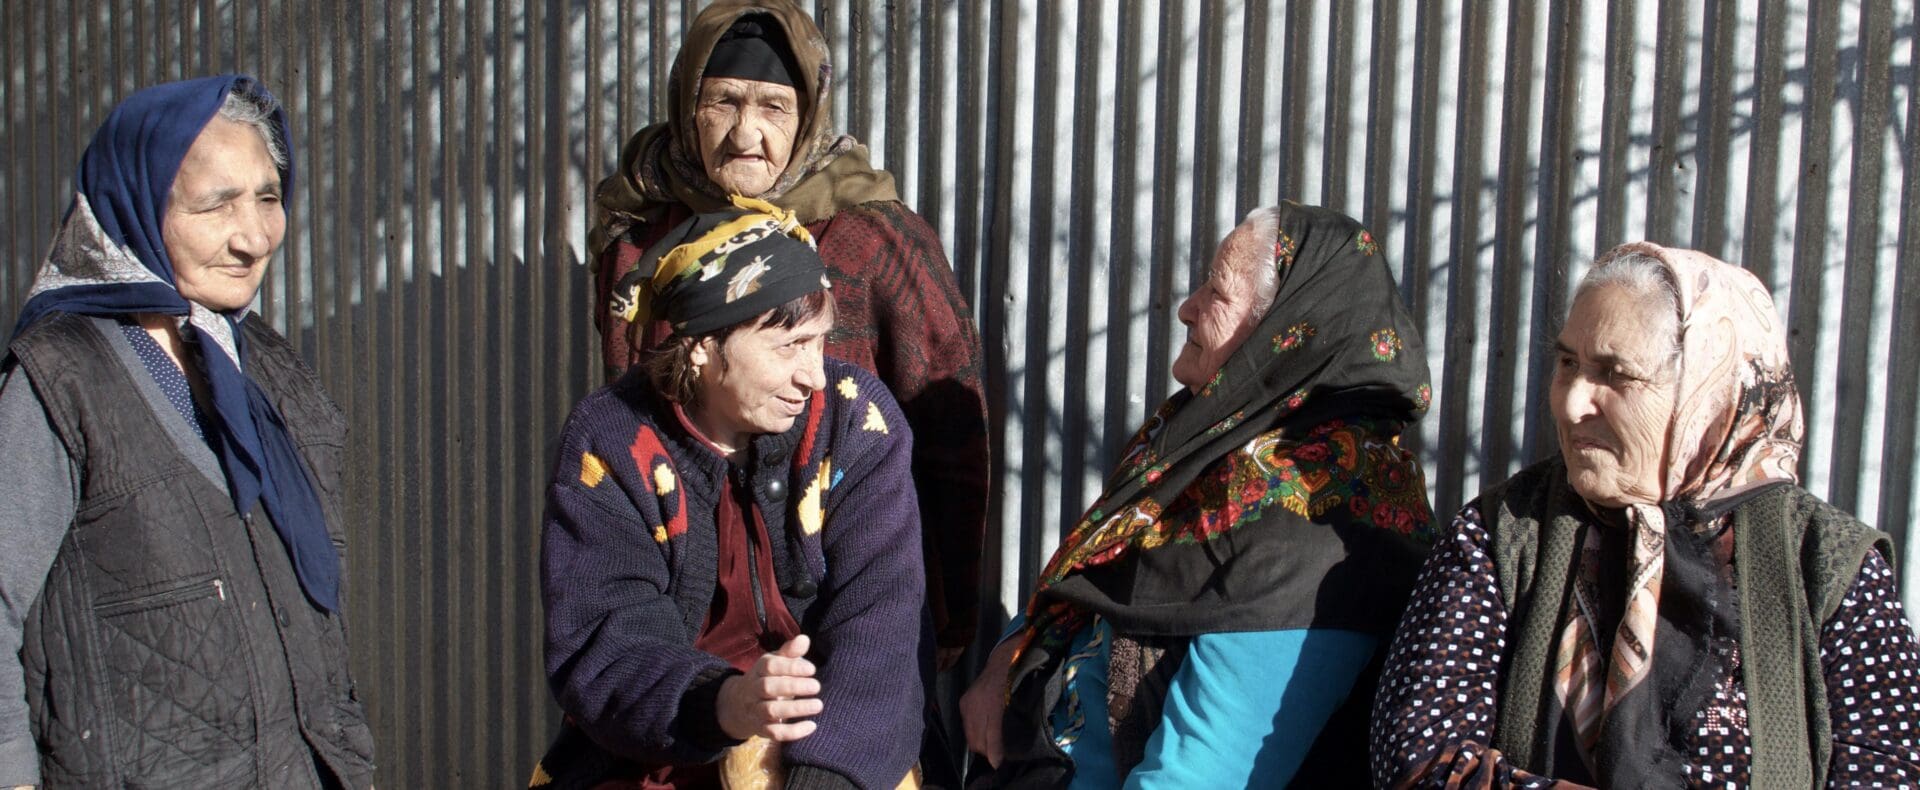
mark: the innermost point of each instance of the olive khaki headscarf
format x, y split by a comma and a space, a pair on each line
661, 165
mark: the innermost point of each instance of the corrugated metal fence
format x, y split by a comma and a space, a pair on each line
1080, 158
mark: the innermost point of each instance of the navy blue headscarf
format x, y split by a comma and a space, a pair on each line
110, 260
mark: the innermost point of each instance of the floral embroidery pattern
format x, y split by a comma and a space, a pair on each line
1154, 472
1139, 453
1298, 397
1365, 243
1284, 249
1213, 384
1423, 397
1386, 345
1293, 338
1341, 464
1337, 464
1232, 421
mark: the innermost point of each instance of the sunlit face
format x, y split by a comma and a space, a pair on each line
1613, 395
768, 376
746, 130
224, 216
1219, 314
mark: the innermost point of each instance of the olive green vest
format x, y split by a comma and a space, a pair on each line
1795, 557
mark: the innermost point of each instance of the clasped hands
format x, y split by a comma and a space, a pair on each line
774, 697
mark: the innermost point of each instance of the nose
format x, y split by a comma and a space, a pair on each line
1190, 308
252, 239
812, 374
743, 135
1576, 402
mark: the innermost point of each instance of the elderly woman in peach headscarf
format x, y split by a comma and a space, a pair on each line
1661, 605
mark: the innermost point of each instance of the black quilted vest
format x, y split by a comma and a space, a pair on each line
172, 645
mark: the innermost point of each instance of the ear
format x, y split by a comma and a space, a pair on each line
701, 353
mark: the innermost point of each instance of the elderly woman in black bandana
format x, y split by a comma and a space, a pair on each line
722, 551
1215, 618
749, 113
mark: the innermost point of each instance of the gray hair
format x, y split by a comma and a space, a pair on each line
1260, 269
256, 110
1643, 275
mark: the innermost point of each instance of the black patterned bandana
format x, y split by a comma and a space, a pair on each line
723, 268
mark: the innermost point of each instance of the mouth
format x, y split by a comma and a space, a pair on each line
1586, 444
791, 407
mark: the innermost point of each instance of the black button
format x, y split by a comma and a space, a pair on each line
805, 588
776, 490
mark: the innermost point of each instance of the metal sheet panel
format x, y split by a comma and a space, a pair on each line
1081, 160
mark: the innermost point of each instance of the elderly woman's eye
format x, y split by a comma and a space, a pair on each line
1622, 376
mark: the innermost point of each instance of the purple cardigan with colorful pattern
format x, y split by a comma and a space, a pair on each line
630, 566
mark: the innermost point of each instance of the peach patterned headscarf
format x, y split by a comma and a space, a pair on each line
1736, 424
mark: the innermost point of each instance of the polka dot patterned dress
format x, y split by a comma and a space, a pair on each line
173, 383
1438, 700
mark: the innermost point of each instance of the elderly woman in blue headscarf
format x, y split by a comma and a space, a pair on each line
170, 552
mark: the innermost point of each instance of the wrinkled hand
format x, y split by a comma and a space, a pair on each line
778, 688
985, 703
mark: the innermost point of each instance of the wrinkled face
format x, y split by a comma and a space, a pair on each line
768, 376
1219, 315
1613, 395
746, 130
224, 216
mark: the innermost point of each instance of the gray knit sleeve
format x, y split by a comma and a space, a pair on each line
36, 507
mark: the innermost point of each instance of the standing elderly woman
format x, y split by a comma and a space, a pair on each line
1661, 605
748, 108
723, 529
171, 501
1212, 620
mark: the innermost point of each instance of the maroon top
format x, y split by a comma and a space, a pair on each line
736, 630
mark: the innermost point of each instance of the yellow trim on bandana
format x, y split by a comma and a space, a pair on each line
684, 260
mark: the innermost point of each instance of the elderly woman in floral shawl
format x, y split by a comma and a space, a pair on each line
1212, 619
1661, 605
748, 113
